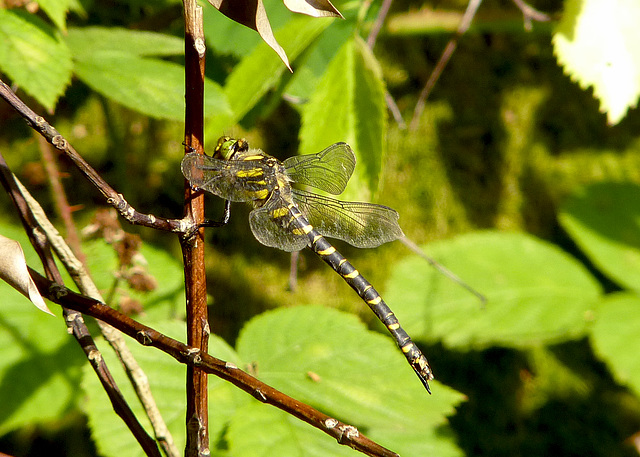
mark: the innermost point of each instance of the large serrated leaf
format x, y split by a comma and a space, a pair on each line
87, 41
604, 220
348, 105
34, 56
597, 44
167, 383
261, 70
536, 293
261, 431
615, 336
150, 86
330, 360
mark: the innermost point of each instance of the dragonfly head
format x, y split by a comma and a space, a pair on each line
227, 147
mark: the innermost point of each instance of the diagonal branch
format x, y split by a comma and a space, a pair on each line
465, 22
85, 284
345, 434
113, 198
73, 319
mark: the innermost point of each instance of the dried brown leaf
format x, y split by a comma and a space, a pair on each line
251, 13
13, 270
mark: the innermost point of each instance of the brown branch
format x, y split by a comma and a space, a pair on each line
465, 22
197, 417
113, 198
74, 320
81, 278
345, 434
60, 196
377, 25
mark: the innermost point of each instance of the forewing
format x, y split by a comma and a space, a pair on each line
363, 225
328, 170
275, 231
230, 179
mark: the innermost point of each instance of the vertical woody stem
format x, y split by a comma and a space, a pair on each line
193, 248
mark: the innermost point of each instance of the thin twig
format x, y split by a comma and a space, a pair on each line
345, 434
85, 284
530, 14
113, 198
377, 25
60, 197
73, 319
465, 22
442, 269
395, 111
193, 248
371, 42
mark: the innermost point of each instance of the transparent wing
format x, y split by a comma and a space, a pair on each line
328, 170
363, 225
233, 180
274, 231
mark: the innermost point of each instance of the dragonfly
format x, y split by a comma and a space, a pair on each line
290, 218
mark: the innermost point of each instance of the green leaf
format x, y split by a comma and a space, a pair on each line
39, 362
261, 432
227, 36
615, 336
604, 221
86, 41
349, 105
536, 293
150, 86
34, 56
597, 44
167, 384
306, 78
56, 10
330, 360
261, 71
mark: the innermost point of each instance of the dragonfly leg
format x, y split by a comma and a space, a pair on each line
225, 217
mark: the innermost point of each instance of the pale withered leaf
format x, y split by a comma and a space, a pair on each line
13, 270
315, 8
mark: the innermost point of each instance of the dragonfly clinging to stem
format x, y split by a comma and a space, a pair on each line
290, 218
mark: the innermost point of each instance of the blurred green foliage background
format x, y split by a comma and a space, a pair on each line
512, 179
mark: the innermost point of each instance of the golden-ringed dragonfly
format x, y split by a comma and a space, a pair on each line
291, 219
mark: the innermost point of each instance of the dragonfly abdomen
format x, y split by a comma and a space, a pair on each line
327, 252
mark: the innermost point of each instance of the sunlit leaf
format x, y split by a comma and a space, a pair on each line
56, 10
13, 270
597, 44
150, 86
260, 71
615, 336
87, 41
349, 105
604, 221
535, 292
331, 360
166, 380
34, 56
